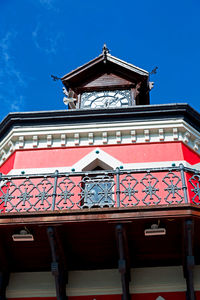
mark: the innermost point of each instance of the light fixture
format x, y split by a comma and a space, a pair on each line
154, 230
23, 236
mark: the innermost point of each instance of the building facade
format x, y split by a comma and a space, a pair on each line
101, 201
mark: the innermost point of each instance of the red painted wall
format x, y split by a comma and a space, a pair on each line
133, 153
8, 164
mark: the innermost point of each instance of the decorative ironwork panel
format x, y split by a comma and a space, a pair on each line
149, 182
96, 192
17, 196
128, 184
7, 196
44, 195
65, 194
195, 182
26, 195
172, 182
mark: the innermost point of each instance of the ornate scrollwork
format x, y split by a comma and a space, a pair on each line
195, 182
64, 194
129, 192
17, 197
7, 190
172, 181
149, 182
45, 189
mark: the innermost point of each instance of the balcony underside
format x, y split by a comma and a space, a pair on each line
92, 244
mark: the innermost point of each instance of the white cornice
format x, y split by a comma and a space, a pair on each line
60, 136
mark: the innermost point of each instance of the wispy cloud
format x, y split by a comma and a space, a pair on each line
50, 5
46, 42
11, 79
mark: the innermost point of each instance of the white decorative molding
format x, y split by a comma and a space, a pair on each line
35, 141
175, 134
146, 135
118, 137
76, 139
186, 137
63, 140
104, 137
133, 136
11, 147
196, 145
21, 142
3, 155
90, 138
99, 134
161, 134
49, 140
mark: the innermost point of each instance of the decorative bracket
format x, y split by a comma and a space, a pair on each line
189, 263
123, 262
58, 263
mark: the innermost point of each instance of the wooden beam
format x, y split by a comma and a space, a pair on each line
110, 215
57, 265
123, 262
189, 263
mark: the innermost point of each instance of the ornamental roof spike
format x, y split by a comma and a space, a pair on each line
105, 50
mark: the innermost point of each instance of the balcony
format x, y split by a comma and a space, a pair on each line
85, 191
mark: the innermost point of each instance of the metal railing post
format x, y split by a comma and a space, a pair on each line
54, 190
118, 186
184, 186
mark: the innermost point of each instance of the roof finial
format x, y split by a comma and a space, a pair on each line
105, 50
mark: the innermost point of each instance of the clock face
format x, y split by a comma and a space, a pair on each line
106, 99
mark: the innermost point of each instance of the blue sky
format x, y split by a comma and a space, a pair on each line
43, 37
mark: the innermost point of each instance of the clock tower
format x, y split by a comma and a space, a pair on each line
106, 82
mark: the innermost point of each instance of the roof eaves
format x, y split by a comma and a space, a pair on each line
83, 67
126, 65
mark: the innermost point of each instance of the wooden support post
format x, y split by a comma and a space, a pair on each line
123, 262
4, 270
4, 279
57, 265
189, 259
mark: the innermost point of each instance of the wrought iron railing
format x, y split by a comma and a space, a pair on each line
99, 189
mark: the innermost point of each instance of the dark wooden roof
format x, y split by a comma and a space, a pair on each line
108, 71
98, 61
